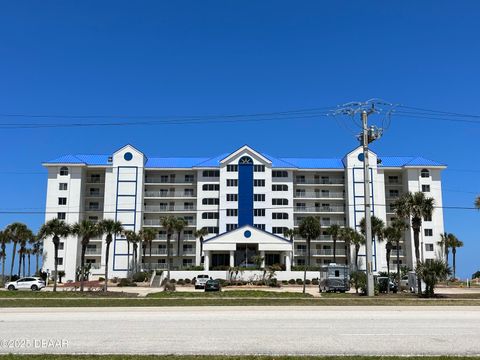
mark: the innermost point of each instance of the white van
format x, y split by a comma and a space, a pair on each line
201, 280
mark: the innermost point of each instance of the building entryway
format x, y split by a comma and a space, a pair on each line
245, 255
220, 260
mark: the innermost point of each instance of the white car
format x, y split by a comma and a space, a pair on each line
27, 283
201, 280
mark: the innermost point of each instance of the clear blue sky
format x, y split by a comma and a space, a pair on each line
224, 57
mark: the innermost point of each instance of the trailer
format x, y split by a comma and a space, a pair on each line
334, 277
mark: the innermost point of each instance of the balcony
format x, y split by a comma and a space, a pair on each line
174, 237
93, 252
320, 238
393, 253
161, 208
319, 195
161, 180
169, 194
324, 223
93, 208
94, 266
320, 252
94, 180
320, 209
157, 222
94, 195
309, 181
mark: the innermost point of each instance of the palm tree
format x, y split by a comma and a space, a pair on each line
445, 241
431, 272
334, 231
200, 234
111, 228
290, 234
180, 224
37, 251
454, 244
57, 229
357, 240
86, 230
413, 207
148, 235
17, 233
4, 240
309, 229
168, 223
134, 239
393, 234
377, 227
346, 234
29, 252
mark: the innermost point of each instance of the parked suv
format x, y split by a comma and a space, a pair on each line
201, 280
27, 283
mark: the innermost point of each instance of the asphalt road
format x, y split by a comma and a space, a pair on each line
275, 330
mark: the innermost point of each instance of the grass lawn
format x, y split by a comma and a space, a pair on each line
230, 294
193, 357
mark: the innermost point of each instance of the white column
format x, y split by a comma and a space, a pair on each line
288, 262
207, 260
262, 255
232, 258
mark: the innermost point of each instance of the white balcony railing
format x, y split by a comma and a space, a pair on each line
160, 180
158, 222
319, 195
323, 223
96, 251
320, 209
329, 181
161, 208
320, 252
169, 194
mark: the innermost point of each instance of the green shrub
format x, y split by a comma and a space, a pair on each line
173, 281
180, 282
101, 279
169, 286
291, 281
221, 267
299, 282
194, 268
188, 281
114, 280
302, 267
285, 282
140, 276
315, 282
358, 280
273, 283
126, 282
307, 282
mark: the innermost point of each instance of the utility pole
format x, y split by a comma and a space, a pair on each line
368, 216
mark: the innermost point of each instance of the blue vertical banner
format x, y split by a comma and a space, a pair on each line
245, 191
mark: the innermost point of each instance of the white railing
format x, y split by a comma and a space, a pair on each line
157, 222
95, 195
320, 252
174, 237
159, 180
94, 208
393, 253
95, 266
326, 209
94, 181
153, 266
160, 208
167, 194
319, 195
321, 237
330, 181
93, 252
324, 223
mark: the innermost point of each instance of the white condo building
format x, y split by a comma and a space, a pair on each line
245, 199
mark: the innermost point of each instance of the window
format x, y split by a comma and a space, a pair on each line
428, 247
62, 201
211, 173
94, 192
94, 178
232, 212
279, 216
280, 187
94, 206
258, 197
212, 229
63, 171
428, 218
93, 218
187, 192
210, 215
231, 227
210, 201
259, 168
393, 193
61, 245
232, 168
425, 173
279, 201
259, 183
232, 197
393, 179
188, 178
232, 182
279, 174
428, 232
62, 186
187, 262
259, 212
211, 187
61, 216
60, 261
425, 188
260, 226
300, 262
278, 229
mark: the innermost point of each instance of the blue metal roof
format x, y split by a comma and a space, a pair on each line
289, 163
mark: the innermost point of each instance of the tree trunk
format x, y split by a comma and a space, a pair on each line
29, 273
36, 262
168, 255
23, 264
398, 263
150, 255
454, 255
335, 249
20, 262
107, 257
4, 256
356, 258
179, 252
307, 264
388, 270
201, 250
416, 240
55, 257
82, 266
13, 259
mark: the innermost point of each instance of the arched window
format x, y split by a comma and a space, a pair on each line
425, 173
64, 171
245, 160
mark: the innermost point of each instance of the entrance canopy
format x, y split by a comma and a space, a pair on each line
247, 235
